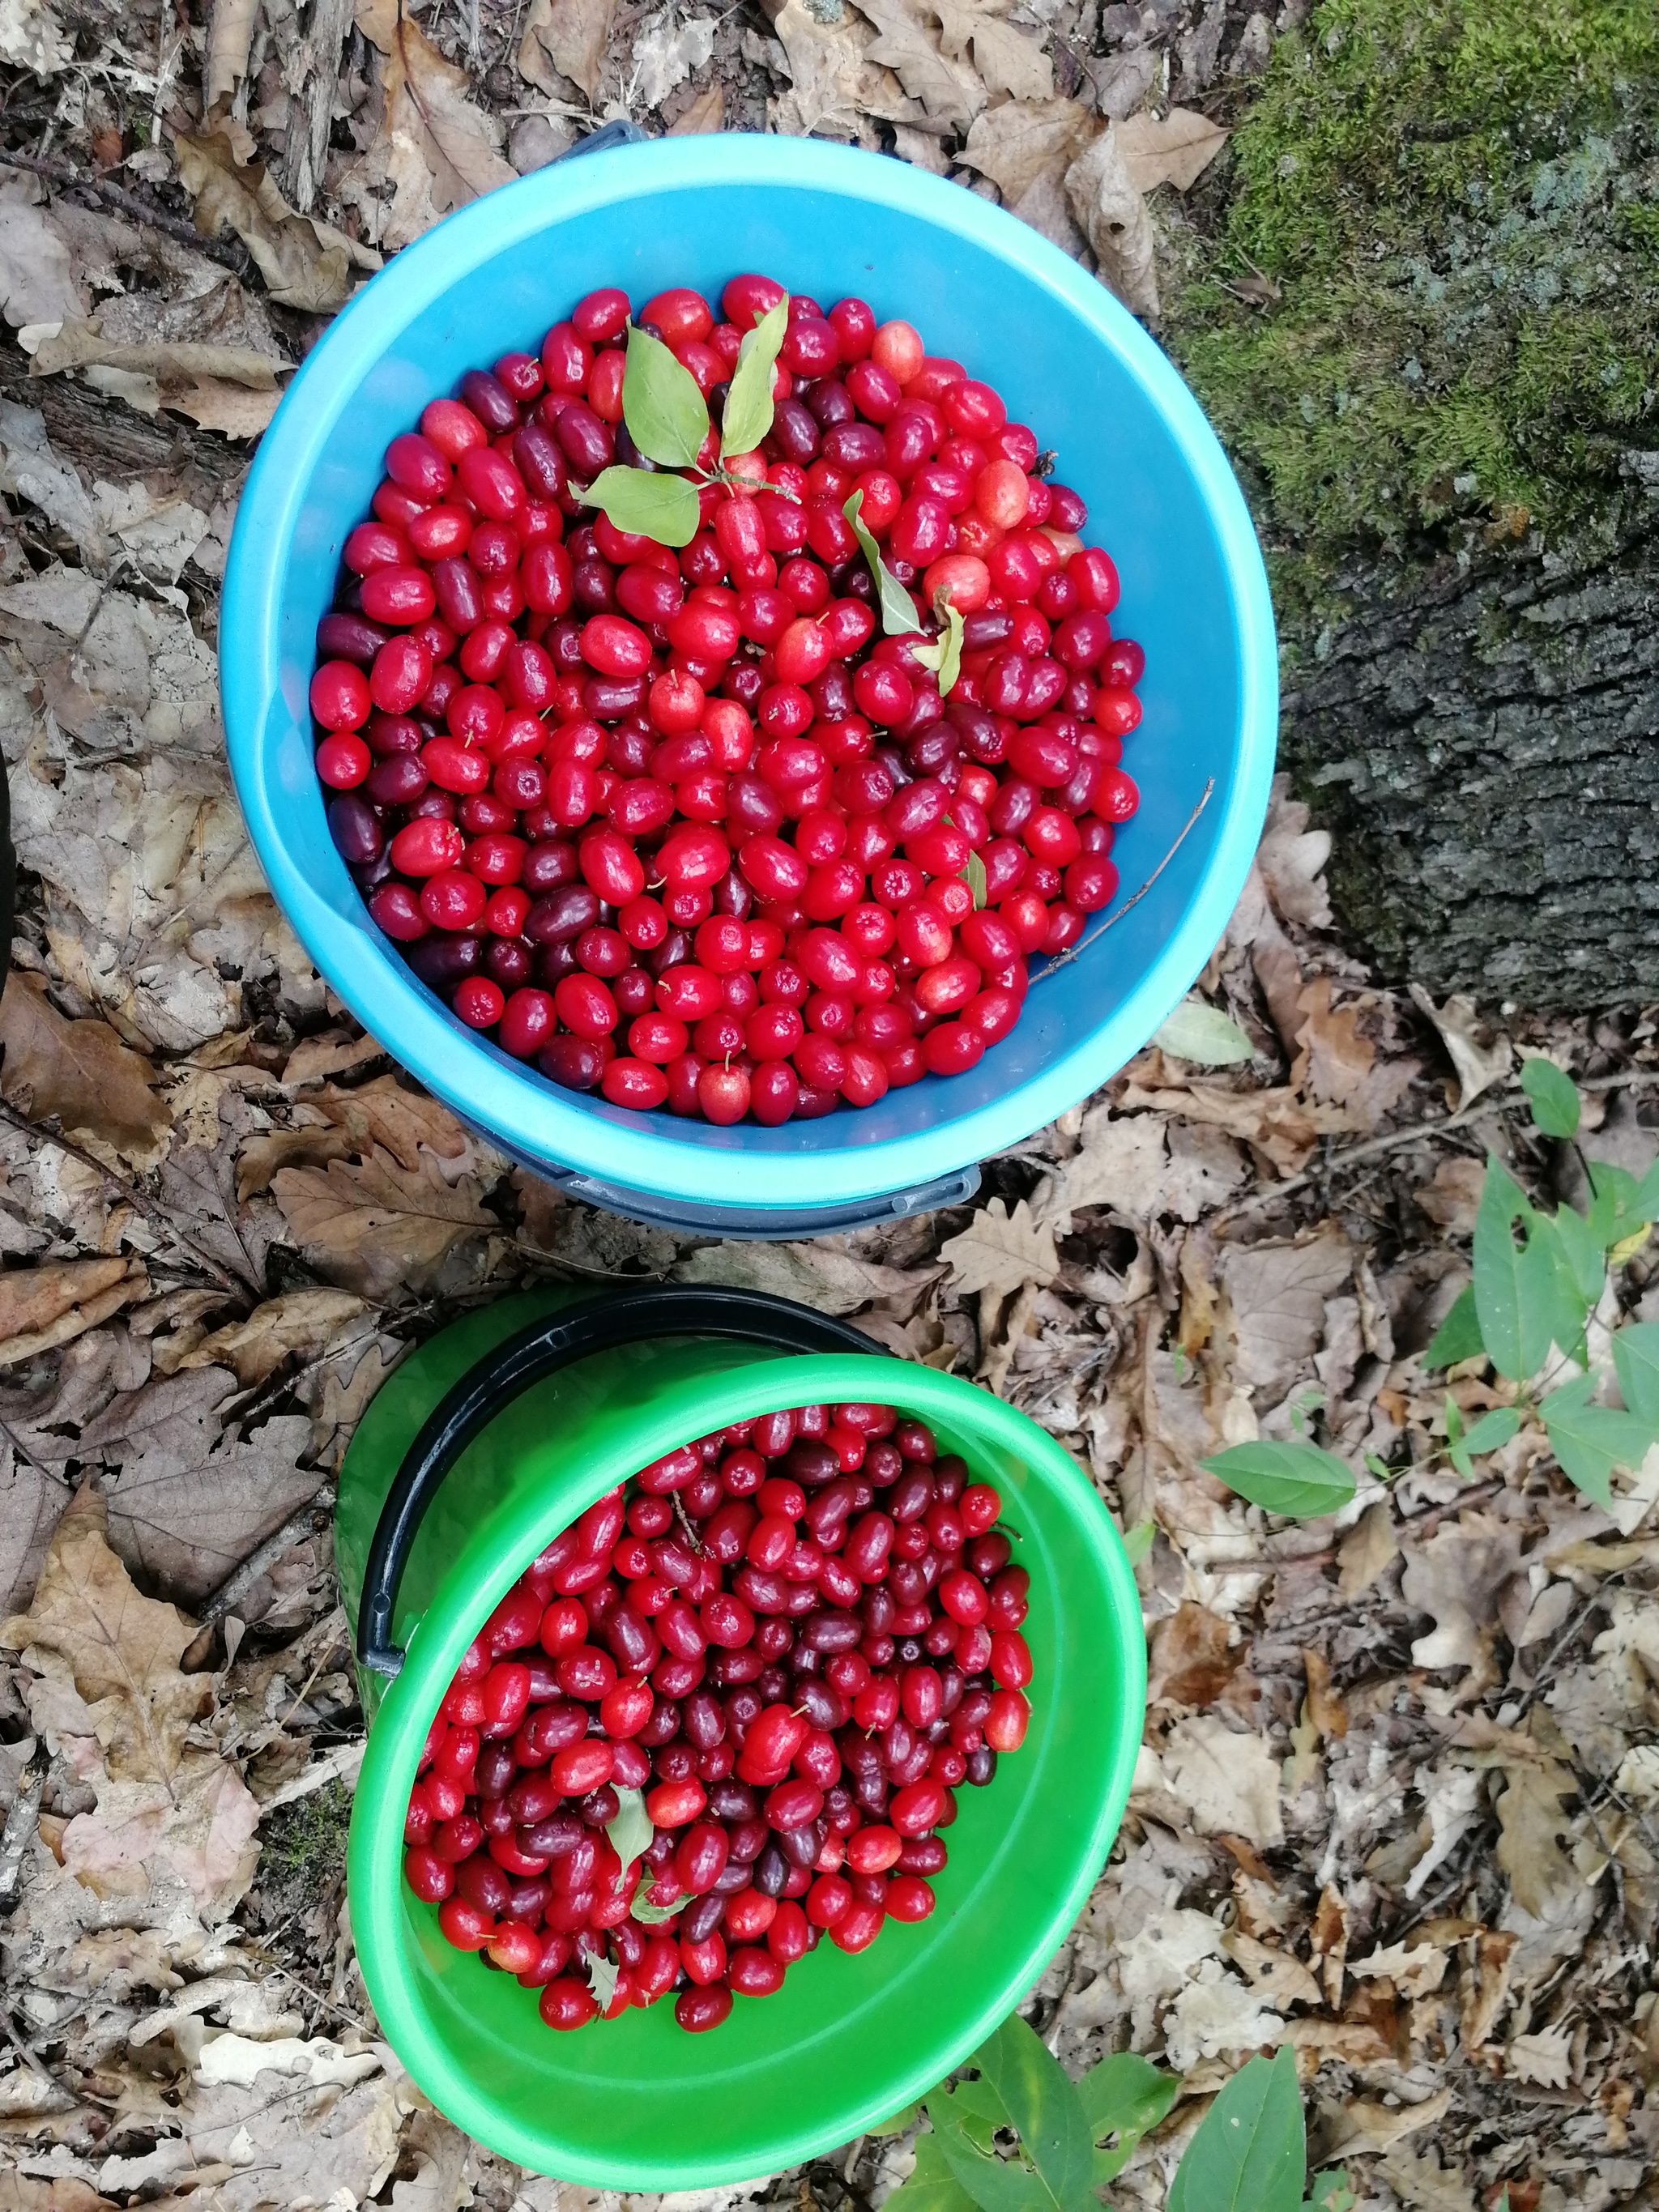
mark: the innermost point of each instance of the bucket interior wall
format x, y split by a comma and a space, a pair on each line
1129, 438
636, 2103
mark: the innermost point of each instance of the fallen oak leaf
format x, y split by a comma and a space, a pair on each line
41, 1308
378, 1228
949, 93
1007, 60
999, 1251
827, 76
441, 150
161, 1795
568, 39
1019, 144
812, 1275
1112, 216
301, 1320
306, 263
80, 1071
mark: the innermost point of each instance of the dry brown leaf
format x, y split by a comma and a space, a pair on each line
1007, 60
39, 281
330, 1053
1340, 1065
1278, 1123
1415, 1969
79, 1070
439, 149
1366, 1550
381, 1230
1325, 1707
1278, 1976
706, 112
827, 76
379, 1113
185, 1506
1278, 1293
1531, 1821
1112, 216
1478, 1066
1229, 1781
36, 1303
31, 1503
1458, 1576
812, 1275
1016, 143
1487, 1988
1190, 1657
1425, 2185
1168, 149
1543, 2056
107, 1659
1362, 2126
1453, 1199
307, 264
230, 33
999, 1251
567, 37
950, 93
303, 1321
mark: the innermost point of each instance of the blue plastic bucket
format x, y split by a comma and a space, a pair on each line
980, 287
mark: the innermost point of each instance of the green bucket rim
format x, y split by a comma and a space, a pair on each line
504, 1542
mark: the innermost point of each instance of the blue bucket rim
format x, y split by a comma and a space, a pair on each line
529, 1114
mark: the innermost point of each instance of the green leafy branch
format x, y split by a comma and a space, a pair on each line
1019, 2135
897, 610
668, 420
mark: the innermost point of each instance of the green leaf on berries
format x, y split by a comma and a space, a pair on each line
629, 1830
602, 1978
1299, 1480
749, 401
667, 416
653, 1916
1458, 1336
1553, 1097
1589, 1441
661, 507
943, 655
974, 876
898, 609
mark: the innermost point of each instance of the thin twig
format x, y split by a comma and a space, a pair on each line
1488, 1103
38, 2066
21, 1821
154, 1209
1134, 898
172, 226
236, 1586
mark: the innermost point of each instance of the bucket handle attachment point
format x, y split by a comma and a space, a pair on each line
531, 1356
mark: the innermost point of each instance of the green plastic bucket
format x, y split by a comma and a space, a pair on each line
635, 2103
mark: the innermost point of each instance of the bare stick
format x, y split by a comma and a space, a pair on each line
1134, 898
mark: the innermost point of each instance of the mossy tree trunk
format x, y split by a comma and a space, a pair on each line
1427, 325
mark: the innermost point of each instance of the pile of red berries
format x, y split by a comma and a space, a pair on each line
723, 1716
685, 828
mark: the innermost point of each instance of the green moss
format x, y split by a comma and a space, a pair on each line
1459, 203
303, 1845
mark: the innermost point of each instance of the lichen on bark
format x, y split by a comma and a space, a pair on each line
1444, 421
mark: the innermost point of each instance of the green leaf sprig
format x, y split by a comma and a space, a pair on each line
668, 420
1538, 1277
895, 605
1021, 2136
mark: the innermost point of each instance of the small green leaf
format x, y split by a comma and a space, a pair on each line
629, 1830
1514, 1284
898, 609
932, 2187
1622, 1206
661, 507
1583, 1252
897, 2123
1138, 1542
1548, 1273
1299, 1480
1644, 1200
1589, 1441
602, 1976
1042, 2104
1203, 1035
943, 655
973, 877
1553, 1097
1635, 1361
666, 413
1493, 1428
1456, 1452
749, 402
1458, 1336
1251, 2151
653, 1916
1126, 2096
1332, 2193
976, 2109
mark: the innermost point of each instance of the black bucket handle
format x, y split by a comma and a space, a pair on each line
529, 1356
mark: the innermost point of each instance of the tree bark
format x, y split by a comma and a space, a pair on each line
1484, 747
